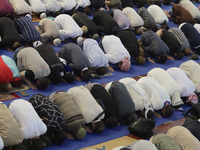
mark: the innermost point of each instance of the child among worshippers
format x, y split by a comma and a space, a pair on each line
97, 4
89, 28
116, 52
135, 19
192, 70
68, 6
52, 117
138, 145
20, 7
26, 29
178, 14
159, 16
127, 3
133, 45
10, 38
149, 21
159, 97
180, 36
96, 56
106, 102
32, 67
92, 112
11, 133
49, 31
154, 47
29, 122
125, 105
184, 138
105, 23
50, 57
72, 114
52, 6
6, 8
67, 74
76, 59
17, 81
121, 19
139, 97
171, 42
38, 7
191, 34
164, 142
188, 87
194, 11
84, 4
67, 27
113, 4
169, 84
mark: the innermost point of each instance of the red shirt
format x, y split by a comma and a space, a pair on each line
6, 74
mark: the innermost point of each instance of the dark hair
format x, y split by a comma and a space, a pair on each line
29, 75
42, 83
69, 77
97, 127
167, 111
187, 51
130, 118
86, 76
114, 30
20, 146
179, 55
111, 122
58, 137
87, 10
165, 26
154, 28
101, 70
162, 59
56, 13
36, 144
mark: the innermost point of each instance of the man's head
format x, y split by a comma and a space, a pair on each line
5, 87
125, 64
162, 59
55, 77
187, 51
36, 144
178, 55
111, 121
69, 77
80, 133
97, 127
42, 83
85, 75
167, 110
138, 31
57, 137
17, 82
101, 70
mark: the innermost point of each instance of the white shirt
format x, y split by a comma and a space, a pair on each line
192, 70
95, 54
197, 27
68, 4
67, 27
181, 78
133, 17
28, 119
52, 5
168, 83
138, 95
83, 3
1, 144
194, 11
37, 6
157, 94
114, 49
157, 14
89, 107
21, 7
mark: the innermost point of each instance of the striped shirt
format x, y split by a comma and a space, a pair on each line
27, 30
179, 35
